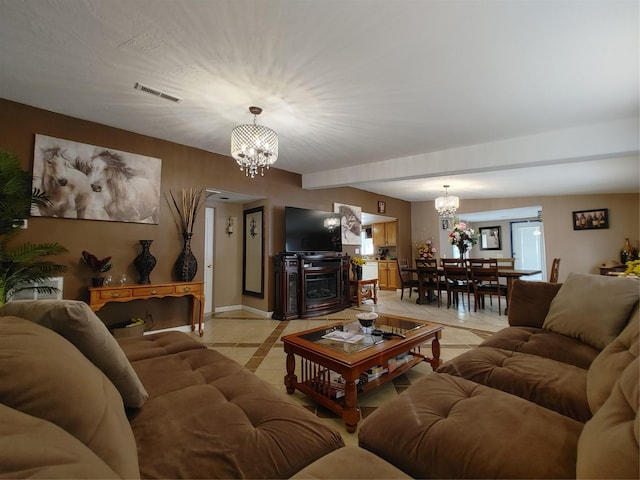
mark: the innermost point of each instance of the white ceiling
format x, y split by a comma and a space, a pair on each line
498, 98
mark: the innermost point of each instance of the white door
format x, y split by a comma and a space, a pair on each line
208, 259
527, 247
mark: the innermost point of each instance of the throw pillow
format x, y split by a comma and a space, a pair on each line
45, 376
75, 321
592, 308
529, 302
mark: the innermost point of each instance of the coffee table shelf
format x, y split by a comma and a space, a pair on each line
318, 357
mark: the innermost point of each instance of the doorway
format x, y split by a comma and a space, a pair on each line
527, 247
209, 246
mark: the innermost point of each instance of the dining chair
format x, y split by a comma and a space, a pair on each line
555, 270
485, 280
406, 277
429, 279
457, 279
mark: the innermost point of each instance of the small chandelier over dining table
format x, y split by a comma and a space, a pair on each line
254, 147
447, 205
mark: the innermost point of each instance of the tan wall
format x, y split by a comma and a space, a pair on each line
580, 251
182, 167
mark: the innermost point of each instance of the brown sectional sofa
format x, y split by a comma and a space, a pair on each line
190, 412
554, 395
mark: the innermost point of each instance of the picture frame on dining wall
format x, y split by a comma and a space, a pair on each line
596, 219
490, 238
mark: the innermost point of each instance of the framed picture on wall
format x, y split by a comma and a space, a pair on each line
591, 219
490, 238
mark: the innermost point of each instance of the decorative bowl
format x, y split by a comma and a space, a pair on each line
367, 319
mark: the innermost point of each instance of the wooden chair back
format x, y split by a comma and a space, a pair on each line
555, 270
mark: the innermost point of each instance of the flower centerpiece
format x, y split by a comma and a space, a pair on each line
97, 266
633, 268
356, 265
463, 237
426, 250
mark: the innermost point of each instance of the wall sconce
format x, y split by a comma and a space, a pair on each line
229, 227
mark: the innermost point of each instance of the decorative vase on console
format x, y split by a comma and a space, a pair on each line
186, 265
628, 253
145, 262
357, 272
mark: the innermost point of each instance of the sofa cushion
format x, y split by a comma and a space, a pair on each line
612, 361
592, 308
75, 321
208, 416
551, 384
529, 302
543, 343
45, 376
449, 427
609, 444
34, 448
350, 462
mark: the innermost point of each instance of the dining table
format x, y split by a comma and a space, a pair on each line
510, 274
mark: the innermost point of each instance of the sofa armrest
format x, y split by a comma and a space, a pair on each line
529, 302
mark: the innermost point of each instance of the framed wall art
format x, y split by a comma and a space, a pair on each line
351, 220
591, 219
95, 183
490, 238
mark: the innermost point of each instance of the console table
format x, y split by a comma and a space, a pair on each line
100, 296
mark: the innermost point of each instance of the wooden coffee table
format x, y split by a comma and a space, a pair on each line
334, 373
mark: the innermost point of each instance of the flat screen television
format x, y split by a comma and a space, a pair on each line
311, 231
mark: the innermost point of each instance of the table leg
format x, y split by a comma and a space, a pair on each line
435, 350
290, 378
350, 413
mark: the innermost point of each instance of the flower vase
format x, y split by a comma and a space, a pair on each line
145, 262
186, 265
357, 272
627, 253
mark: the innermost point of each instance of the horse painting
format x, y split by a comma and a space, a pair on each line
68, 189
129, 197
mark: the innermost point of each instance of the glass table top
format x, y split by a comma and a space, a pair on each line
353, 337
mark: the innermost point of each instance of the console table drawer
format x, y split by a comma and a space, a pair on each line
157, 290
120, 293
189, 288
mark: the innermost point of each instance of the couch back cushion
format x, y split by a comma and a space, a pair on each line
612, 361
45, 376
75, 321
609, 444
592, 308
34, 448
529, 302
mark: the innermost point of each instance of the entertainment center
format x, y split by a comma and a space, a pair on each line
312, 274
310, 285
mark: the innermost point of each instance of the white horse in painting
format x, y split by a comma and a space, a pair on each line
131, 198
68, 189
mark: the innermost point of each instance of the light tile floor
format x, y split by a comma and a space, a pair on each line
255, 341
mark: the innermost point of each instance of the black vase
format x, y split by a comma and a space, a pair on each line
357, 272
186, 265
145, 262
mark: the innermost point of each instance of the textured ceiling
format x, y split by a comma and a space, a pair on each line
496, 98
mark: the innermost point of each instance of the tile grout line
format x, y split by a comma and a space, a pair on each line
256, 359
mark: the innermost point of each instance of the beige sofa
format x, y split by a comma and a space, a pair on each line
74, 403
554, 395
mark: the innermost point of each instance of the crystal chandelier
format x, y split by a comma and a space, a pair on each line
447, 205
254, 147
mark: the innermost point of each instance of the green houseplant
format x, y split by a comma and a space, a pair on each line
22, 266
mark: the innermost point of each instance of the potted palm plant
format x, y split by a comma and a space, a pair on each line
22, 266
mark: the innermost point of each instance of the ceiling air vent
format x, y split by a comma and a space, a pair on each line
157, 93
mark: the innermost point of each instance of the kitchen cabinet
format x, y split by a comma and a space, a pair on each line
388, 275
384, 234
